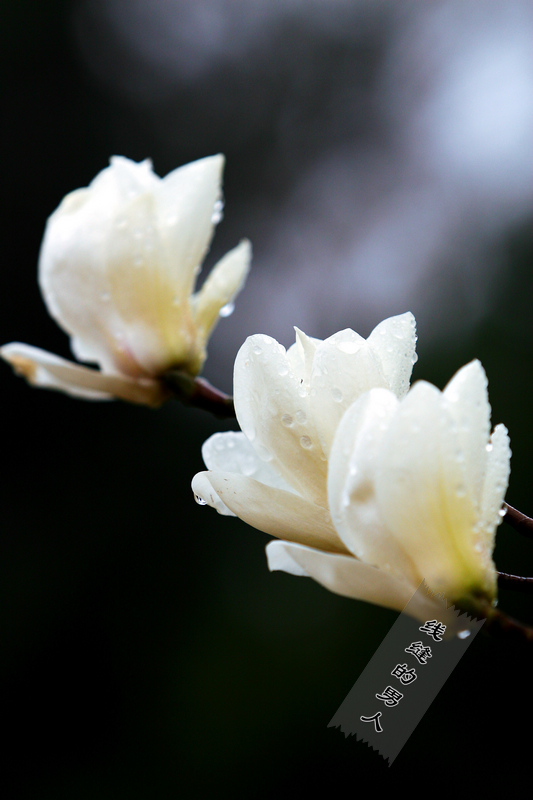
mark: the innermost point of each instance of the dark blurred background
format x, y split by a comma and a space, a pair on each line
380, 158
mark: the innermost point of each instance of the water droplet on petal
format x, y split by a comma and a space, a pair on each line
502, 512
257, 350
488, 448
287, 420
263, 453
306, 442
283, 369
300, 417
227, 310
200, 500
336, 394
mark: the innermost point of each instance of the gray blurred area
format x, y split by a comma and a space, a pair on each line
380, 159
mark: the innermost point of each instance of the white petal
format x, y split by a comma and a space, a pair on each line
495, 484
342, 574
232, 452
281, 514
468, 404
301, 355
272, 408
421, 492
116, 265
394, 343
224, 282
353, 464
344, 368
186, 201
48, 371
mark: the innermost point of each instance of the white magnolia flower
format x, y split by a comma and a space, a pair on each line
117, 270
412, 487
273, 475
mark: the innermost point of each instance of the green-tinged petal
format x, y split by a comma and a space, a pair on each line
423, 498
274, 511
220, 288
353, 465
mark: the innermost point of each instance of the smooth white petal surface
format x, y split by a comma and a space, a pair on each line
393, 341
346, 366
48, 371
118, 261
353, 467
274, 511
220, 288
232, 452
422, 495
273, 410
342, 574
495, 485
468, 404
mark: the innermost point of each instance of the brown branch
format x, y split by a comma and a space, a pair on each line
199, 393
516, 582
500, 626
520, 522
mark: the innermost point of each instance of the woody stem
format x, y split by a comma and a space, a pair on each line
199, 393
520, 522
516, 582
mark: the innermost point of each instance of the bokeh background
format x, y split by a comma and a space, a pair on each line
380, 158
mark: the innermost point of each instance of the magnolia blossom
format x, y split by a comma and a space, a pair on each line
117, 270
403, 487
289, 404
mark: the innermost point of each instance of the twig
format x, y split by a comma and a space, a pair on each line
520, 522
199, 393
517, 582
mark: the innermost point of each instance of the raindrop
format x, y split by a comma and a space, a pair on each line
283, 369
263, 453
257, 350
200, 500
301, 417
287, 420
502, 512
336, 394
217, 212
302, 391
227, 310
488, 448
306, 442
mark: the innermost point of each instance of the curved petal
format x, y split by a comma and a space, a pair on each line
48, 371
344, 368
118, 260
342, 574
495, 485
272, 408
468, 404
281, 514
421, 492
353, 465
393, 341
224, 282
232, 452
